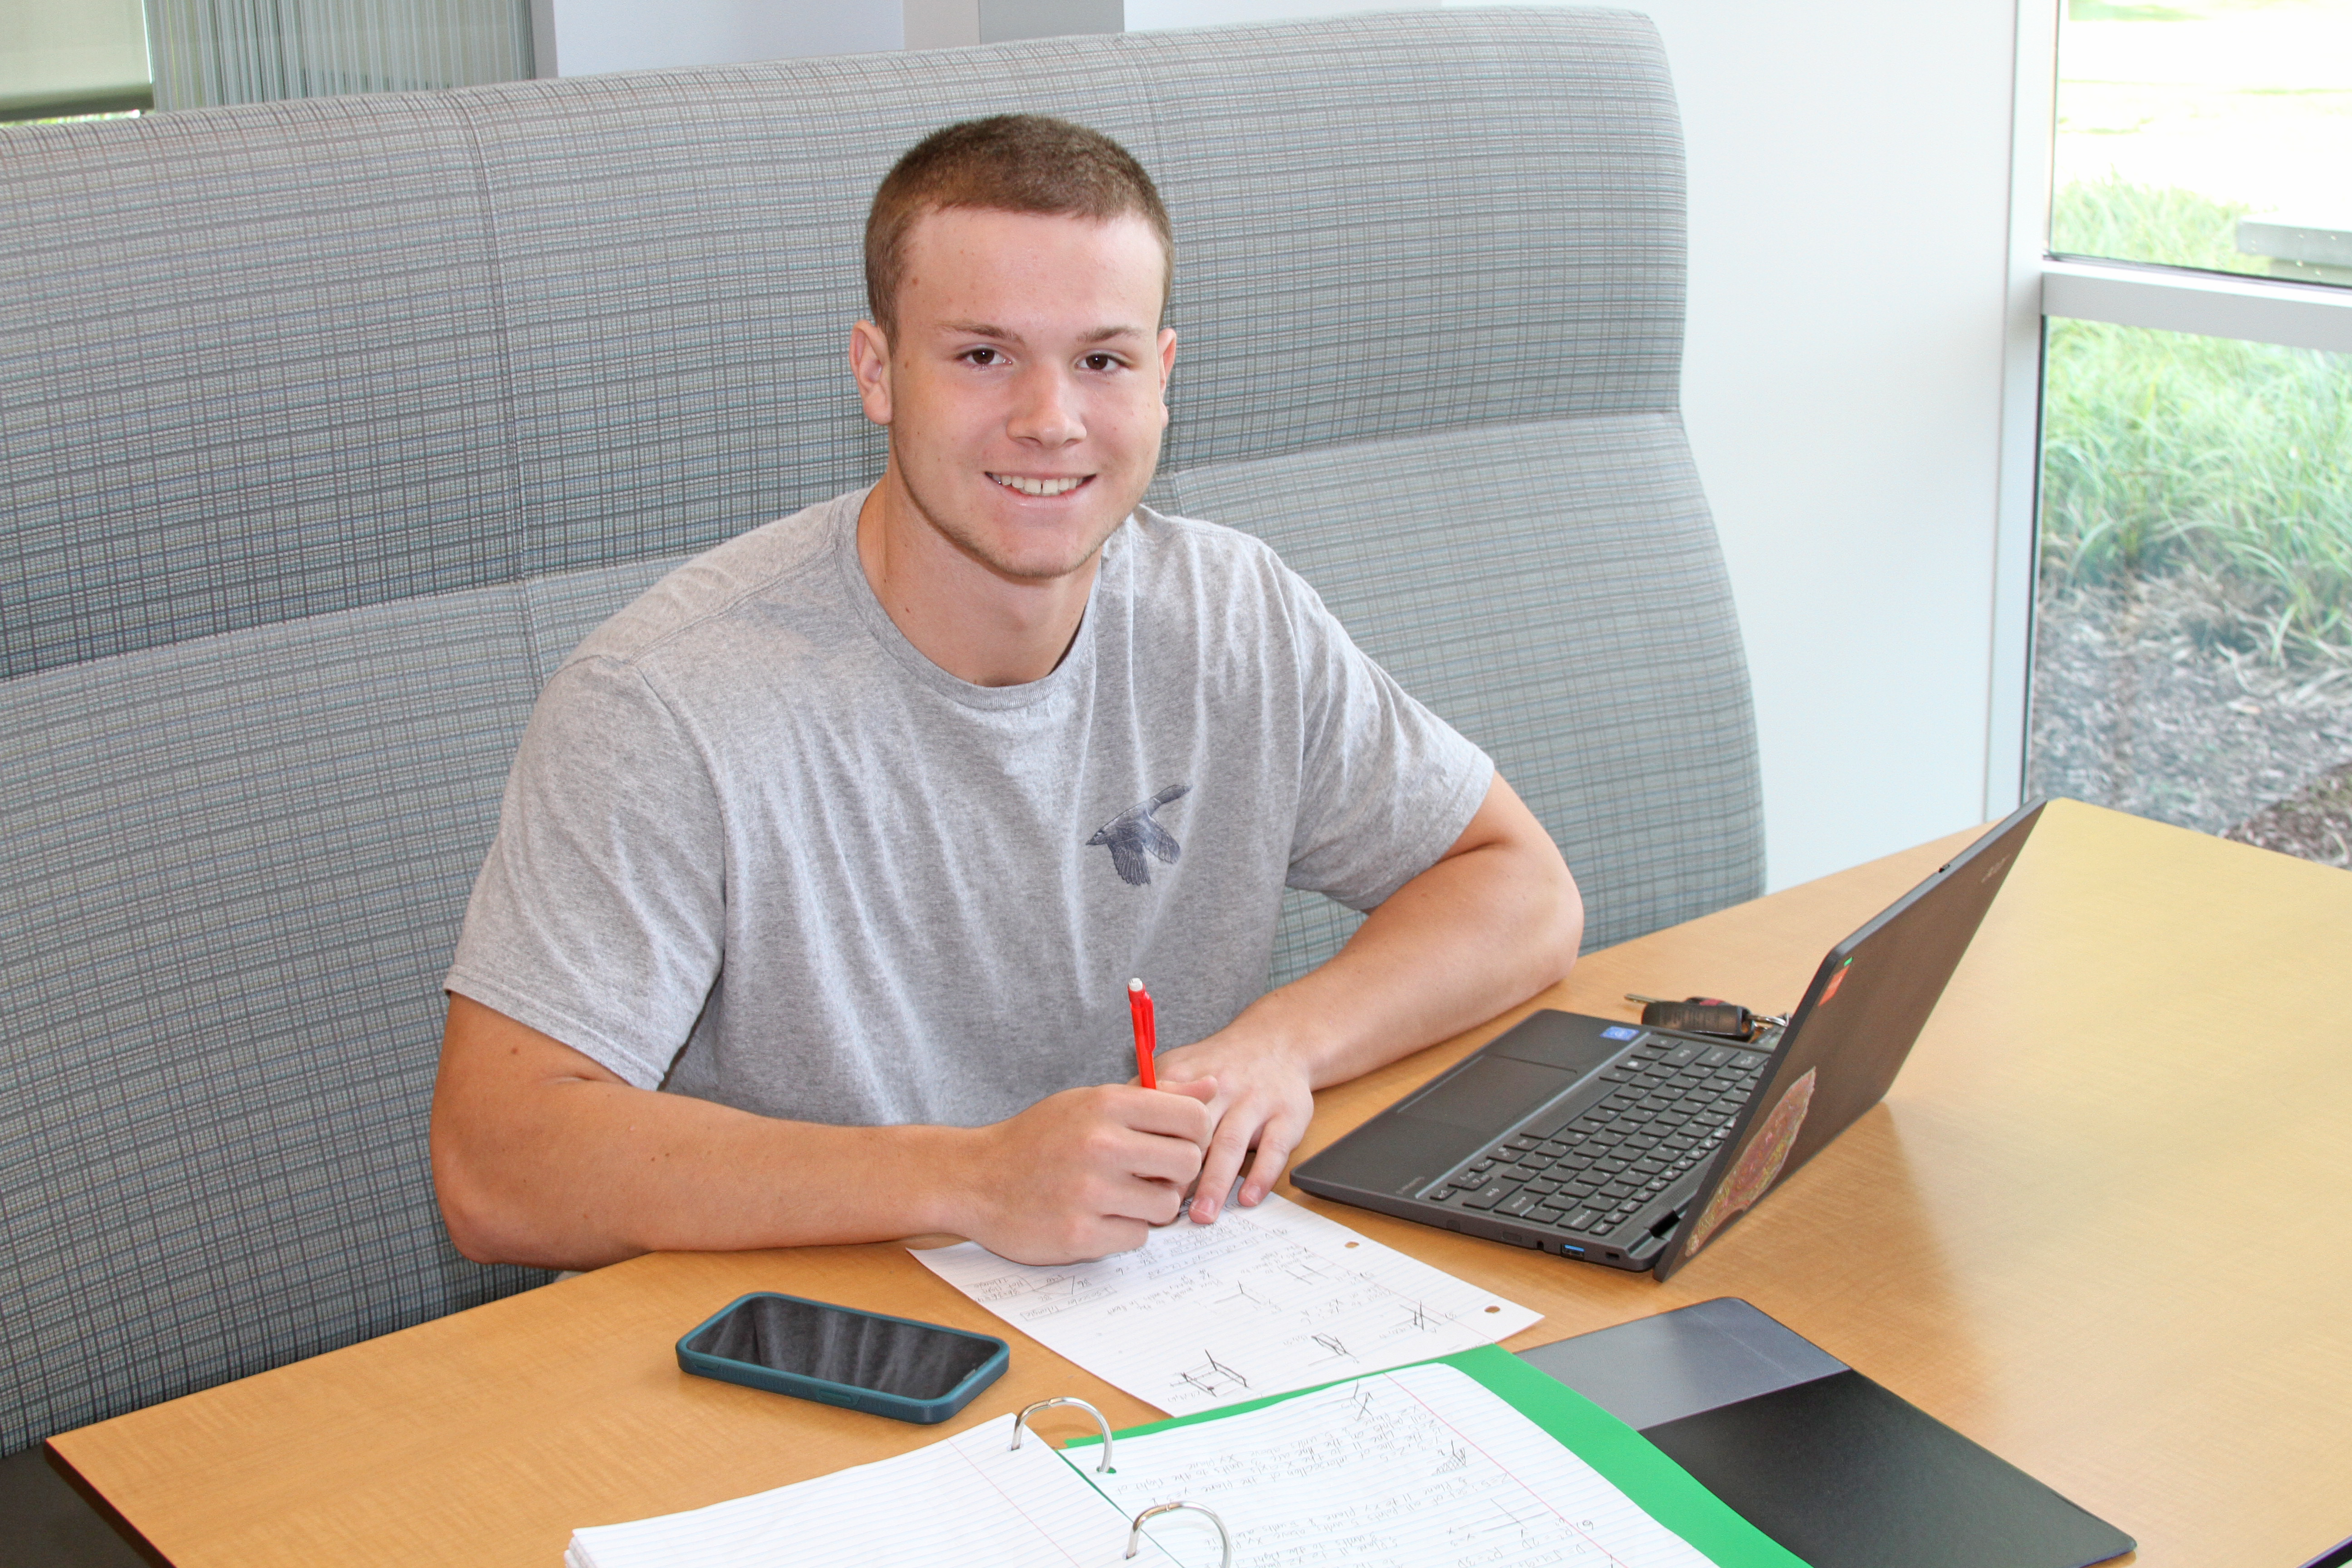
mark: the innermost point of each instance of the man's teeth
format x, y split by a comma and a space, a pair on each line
1037, 487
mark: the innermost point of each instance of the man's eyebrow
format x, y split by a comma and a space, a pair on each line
1006, 335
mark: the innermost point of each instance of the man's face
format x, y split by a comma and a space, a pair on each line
1024, 387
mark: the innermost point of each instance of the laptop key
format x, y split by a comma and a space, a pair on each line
1583, 1219
1486, 1199
1544, 1213
1516, 1206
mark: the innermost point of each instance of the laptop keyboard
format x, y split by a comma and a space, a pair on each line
1669, 1105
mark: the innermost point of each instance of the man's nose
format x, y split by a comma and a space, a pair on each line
1046, 409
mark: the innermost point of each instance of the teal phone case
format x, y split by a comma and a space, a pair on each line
899, 1367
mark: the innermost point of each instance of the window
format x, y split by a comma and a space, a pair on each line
2192, 650
62, 60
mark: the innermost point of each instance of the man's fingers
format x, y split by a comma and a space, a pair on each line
1226, 1151
1179, 1110
1274, 1147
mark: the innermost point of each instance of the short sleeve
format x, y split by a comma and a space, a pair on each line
599, 915
1386, 786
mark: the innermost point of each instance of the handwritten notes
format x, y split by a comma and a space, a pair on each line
1263, 1302
1422, 1468
973, 1500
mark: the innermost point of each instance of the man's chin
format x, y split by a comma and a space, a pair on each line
1035, 555
1014, 543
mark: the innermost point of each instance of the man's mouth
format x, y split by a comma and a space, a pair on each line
1032, 487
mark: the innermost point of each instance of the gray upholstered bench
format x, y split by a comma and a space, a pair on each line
329, 425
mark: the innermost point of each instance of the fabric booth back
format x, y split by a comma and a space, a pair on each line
330, 426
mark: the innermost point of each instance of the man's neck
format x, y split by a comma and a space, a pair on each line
976, 624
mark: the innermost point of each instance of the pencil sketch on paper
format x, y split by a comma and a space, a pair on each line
1213, 1378
1428, 1321
1292, 1297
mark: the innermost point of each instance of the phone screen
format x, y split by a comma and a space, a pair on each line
837, 1344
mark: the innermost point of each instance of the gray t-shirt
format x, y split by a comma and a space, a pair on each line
749, 820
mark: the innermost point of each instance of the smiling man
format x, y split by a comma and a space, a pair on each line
823, 868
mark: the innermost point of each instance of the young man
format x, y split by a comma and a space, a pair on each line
823, 866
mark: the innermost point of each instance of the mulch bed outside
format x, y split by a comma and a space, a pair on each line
2157, 696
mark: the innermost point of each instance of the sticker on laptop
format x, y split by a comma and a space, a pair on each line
1759, 1162
1621, 1032
1835, 980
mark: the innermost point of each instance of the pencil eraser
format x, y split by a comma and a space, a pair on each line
1135, 985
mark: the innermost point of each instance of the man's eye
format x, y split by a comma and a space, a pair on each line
1100, 361
983, 356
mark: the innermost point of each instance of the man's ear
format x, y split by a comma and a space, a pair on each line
1167, 367
869, 362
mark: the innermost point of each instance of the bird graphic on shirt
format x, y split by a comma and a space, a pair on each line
1132, 835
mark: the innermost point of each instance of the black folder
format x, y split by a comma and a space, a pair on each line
1818, 1456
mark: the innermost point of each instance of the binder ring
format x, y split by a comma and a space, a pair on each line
1135, 1530
1021, 1422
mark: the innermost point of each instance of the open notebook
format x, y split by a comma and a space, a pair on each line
1476, 1458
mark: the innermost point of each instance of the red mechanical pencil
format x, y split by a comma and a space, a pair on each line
1147, 1034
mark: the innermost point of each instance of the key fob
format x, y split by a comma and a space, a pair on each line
1694, 1018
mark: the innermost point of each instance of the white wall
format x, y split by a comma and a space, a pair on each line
592, 36
1143, 15
1849, 199
1850, 181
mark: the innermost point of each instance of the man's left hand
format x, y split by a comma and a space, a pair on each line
1265, 1100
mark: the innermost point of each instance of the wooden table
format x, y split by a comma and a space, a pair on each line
2102, 1225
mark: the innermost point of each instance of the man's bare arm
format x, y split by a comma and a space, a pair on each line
1494, 920
543, 1156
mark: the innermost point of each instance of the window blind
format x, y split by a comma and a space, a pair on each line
244, 51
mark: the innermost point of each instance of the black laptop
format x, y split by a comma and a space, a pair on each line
1635, 1146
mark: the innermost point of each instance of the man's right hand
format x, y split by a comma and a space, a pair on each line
1084, 1173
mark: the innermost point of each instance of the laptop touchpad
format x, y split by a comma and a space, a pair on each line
1489, 1093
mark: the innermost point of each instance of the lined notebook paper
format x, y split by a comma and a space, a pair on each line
1265, 1301
972, 1500
1421, 1467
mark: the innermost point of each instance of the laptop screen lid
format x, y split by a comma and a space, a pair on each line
1849, 1037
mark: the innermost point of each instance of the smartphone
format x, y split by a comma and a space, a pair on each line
890, 1366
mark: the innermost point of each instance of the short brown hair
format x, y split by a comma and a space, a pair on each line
1006, 163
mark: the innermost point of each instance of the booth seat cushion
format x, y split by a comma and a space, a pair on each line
1555, 591
235, 871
